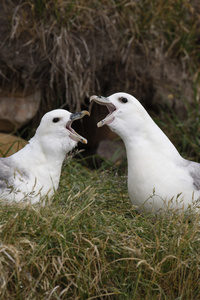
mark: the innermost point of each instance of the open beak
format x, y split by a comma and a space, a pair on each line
110, 106
73, 134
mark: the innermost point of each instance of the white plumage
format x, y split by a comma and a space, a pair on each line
33, 173
158, 177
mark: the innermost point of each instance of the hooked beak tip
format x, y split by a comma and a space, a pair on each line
79, 115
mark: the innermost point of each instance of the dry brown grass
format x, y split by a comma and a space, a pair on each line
65, 47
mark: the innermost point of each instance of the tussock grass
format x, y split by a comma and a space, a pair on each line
67, 44
91, 244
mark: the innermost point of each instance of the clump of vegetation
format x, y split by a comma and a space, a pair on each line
91, 244
69, 49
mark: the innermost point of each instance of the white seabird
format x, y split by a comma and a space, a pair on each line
158, 176
33, 173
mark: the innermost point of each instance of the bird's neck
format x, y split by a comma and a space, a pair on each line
44, 164
48, 153
149, 142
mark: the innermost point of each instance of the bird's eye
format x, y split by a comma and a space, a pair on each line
123, 100
55, 120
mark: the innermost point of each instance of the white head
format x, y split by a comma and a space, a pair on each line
126, 114
128, 118
55, 133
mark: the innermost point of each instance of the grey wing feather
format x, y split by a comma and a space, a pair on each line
194, 170
6, 172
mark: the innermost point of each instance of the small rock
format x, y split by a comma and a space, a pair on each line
17, 108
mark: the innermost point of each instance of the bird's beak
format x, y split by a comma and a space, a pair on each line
100, 100
110, 106
79, 115
73, 134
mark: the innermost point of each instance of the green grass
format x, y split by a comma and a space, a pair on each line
91, 244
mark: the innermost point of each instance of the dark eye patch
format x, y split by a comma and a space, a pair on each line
55, 120
123, 100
